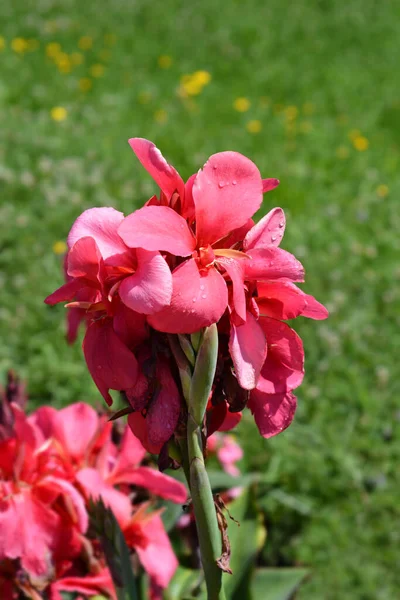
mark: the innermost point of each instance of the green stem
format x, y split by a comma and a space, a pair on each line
205, 513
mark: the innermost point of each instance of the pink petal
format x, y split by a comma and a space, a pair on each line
271, 263
268, 231
269, 184
199, 298
314, 309
166, 177
43, 419
149, 289
73, 499
138, 426
111, 364
280, 300
230, 421
188, 208
89, 585
130, 455
163, 414
283, 369
157, 555
95, 487
155, 482
101, 224
65, 293
248, 349
158, 228
227, 192
272, 412
84, 260
235, 237
75, 428
235, 270
75, 316
131, 327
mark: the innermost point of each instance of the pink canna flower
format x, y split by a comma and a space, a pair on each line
228, 452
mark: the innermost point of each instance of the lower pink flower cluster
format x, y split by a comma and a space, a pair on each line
51, 463
191, 257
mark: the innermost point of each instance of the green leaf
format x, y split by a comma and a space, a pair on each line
277, 584
223, 481
246, 541
171, 514
184, 584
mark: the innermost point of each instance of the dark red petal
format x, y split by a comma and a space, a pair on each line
272, 412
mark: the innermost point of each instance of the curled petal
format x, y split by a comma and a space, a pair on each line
248, 349
269, 184
74, 501
188, 208
272, 412
65, 293
157, 228
84, 260
111, 364
138, 426
166, 177
75, 427
95, 487
280, 300
270, 263
101, 224
149, 289
163, 414
227, 192
314, 309
157, 555
155, 482
199, 298
235, 270
130, 326
267, 232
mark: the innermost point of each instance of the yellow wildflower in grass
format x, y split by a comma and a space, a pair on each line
19, 45
144, 97
164, 61
85, 84
58, 113
76, 58
53, 49
353, 133
254, 126
360, 143
63, 63
308, 108
306, 126
241, 104
2, 43
85, 43
161, 116
291, 113
59, 247
202, 77
192, 84
382, 190
97, 70
342, 152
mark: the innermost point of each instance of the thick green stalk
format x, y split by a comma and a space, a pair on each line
205, 514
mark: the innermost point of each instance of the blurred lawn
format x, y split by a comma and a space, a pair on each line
323, 115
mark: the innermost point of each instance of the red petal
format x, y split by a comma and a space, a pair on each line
237, 235
65, 293
131, 453
155, 482
101, 224
235, 270
269, 184
248, 349
271, 263
230, 421
280, 300
89, 585
227, 192
166, 177
268, 231
75, 427
84, 260
64, 488
188, 208
199, 298
131, 327
283, 369
314, 309
163, 414
272, 412
157, 555
138, 426
111, 364
149, 289
157, 228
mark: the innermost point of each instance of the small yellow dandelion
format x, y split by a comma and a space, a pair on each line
19, 45
241, 104
97, 70
291, 113
360, 143
161, 116
53, 49
2, 43
202, 77
308, 108
254, 126
353, 134
144, 97
164, 61
85, 43
63, 62
59, 247
76, 58
58, 113
382, 190
85, 84
306, 126
342, 152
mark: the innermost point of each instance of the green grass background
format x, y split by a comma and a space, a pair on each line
332, 497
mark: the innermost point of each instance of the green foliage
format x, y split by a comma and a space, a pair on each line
330, 482
277, 584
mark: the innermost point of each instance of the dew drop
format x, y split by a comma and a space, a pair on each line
192, 311
214, 167
202, 287
221, 184
194, 299
99, 367
182, 226
273, 238
281, 224
234, 182
204, 296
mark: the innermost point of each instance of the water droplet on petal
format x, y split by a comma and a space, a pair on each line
273, 238
234, 182
221, 184
194, 299
281, 224
204, 296
99, 367
192, 311
202, 287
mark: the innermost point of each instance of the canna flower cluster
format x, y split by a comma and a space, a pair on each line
191, 257
51, 464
